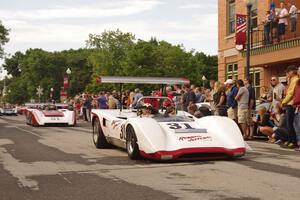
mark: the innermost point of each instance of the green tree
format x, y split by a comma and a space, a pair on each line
111, 53
3, 38
46, 69
13, 65
18, 93
111, 50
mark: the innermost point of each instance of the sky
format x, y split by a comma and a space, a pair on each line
55, 25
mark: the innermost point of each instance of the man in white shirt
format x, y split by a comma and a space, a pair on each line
283, 21
293, 17
242, 99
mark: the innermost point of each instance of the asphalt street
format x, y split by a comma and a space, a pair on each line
62, 163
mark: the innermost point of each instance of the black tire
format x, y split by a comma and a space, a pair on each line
132, 147
98, 136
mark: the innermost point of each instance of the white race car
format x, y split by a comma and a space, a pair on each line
165, 134
49, 114
8, 111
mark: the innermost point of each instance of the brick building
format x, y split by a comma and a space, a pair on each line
266, 59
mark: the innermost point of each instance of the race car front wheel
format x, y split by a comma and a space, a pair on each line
131, 144
98, 136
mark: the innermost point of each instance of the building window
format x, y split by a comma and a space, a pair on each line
230, 17
255, 75
232, 71
254, 15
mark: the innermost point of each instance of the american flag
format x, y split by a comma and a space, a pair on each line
241, 27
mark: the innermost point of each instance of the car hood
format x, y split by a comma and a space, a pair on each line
213, 131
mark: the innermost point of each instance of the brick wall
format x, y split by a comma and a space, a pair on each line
267, 62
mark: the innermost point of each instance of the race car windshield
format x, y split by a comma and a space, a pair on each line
161, 118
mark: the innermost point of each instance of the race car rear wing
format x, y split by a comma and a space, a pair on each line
143, 80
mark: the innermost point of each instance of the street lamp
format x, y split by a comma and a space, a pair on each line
51, 93
68, 71
249, 4
203, 79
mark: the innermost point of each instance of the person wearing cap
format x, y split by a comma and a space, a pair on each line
231, 102
287, 104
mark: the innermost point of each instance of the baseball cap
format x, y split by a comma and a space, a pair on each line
228, 81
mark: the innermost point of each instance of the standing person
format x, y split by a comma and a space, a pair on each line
130, 99
242, 99
136, 97
188, 99
178, 97
252, 106
94, 102
212, 87
274, 22
125, 98
84, 97
198, 94
276, 97
283, 21
293, 17
297, 113
102, 101
112, 102
77, 108
231, 102
116, 96
213, 92
287, 104
219, 100
267, 28
87, 104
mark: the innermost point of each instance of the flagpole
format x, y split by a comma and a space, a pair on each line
249, 6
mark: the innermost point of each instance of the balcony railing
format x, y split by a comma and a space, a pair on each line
262, 42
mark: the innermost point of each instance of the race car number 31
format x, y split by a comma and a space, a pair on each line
179, 126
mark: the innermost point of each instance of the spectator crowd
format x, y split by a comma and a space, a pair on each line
278, 19
277, 116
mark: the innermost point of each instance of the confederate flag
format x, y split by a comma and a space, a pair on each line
241, 27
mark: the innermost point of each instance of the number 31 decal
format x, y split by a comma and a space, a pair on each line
179, 126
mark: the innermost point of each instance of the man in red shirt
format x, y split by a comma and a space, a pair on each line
297, 112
